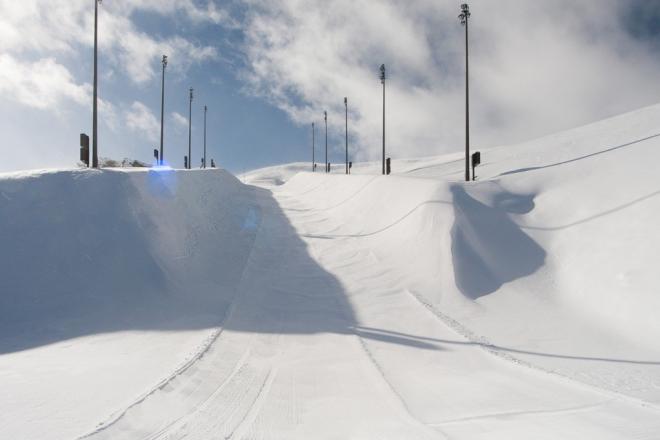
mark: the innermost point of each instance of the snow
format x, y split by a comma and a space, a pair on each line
186, 304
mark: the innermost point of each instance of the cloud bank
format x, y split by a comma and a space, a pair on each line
536, 67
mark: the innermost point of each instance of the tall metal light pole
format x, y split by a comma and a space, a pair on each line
346, 107
313, 149
382, 80
205, 110
464, 17
325, 118
95, 154
162, 107
190, 129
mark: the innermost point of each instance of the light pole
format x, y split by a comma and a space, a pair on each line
95, 154
346, 107
464, 17
313, 149
162, 107
325, 118
190, 129
382, 80
205, 110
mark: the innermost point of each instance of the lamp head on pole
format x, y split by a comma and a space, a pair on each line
382, 73
191, 93
345, 101
164, 61
465, 13
325, 116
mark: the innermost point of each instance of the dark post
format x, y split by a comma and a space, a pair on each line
346, 106
204, 161
325, 118
95, 154
464, 17
382, 80
476, 161
190, 129
84, 149
313, 140
388, 166
156, 155
162, 109
185, 162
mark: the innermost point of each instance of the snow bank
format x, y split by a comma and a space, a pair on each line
111, 281
557, 239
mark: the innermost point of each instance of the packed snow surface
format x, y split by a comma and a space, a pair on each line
171, 304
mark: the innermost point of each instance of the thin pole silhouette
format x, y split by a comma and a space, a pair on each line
382, 80
162, 108
205, 110
346, 106
325, 118
95, 154
313, 153
190, 129
464, 17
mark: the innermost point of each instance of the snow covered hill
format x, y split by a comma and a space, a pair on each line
184, 304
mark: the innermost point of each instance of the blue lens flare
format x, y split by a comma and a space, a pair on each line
162, 181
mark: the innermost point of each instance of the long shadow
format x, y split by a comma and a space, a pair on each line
436, 344
488, 248
587, 156
86, 253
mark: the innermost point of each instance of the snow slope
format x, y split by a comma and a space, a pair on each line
111, 281
415, 305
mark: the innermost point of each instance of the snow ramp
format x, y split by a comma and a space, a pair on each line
111, 281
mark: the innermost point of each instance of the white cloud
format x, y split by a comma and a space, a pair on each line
41, 84
179, 120
141, 120
536, 67
51, 27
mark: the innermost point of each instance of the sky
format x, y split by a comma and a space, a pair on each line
267, 69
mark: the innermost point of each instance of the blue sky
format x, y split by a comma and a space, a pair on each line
267, 69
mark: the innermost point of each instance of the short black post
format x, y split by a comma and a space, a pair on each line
84, 149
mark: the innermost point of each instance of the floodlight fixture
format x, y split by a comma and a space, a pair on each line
190, 129
325, 119
346, 108
95, 154
162, 108
382, 80
464, 17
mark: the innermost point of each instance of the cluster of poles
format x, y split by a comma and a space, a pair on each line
325, 120
158, 154
187, 160
463, 17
